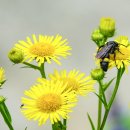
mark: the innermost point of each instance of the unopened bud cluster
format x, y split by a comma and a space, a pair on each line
105, 29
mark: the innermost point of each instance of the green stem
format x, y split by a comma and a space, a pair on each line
53, 126
119, 75
41, 68
31, 65
57, 126
65, 123
103, 93
42, 71
99, 110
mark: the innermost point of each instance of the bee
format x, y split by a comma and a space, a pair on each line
105, 51
104, 65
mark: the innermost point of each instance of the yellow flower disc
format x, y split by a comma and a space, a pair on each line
49, 103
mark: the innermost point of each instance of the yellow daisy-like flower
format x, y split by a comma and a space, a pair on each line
44, 49
122, 56
2, 75
75, 81
48, 100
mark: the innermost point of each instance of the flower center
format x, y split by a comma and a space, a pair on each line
49, 103
72, 83
42, 49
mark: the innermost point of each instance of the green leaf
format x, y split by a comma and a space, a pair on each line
25, 67
108, 84
26, 128
7, 112
100, 98
6, 118
91, 122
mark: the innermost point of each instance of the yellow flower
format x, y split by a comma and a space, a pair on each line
122, 56
46, 100
75, 80
2, 76
44, 49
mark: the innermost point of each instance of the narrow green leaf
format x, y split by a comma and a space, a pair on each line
91, 122
108, 84
26, 128
7, 112
122, 71
6, 119
100, 98
25, 67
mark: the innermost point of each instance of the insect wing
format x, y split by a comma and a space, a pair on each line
104, 51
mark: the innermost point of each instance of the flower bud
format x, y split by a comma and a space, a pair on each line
2, 99
107, 26
98, 37
16, 56
97, 74
2, 76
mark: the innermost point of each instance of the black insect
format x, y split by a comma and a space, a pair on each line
108, 48
105, 51
21, 105
104, 65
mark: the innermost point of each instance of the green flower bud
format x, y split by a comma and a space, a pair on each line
2, 99
16, 56
97, 74
107, 26
98, 37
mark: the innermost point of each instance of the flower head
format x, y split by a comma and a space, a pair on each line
107, 26
122, 56
44, 49
2, 76
75, 81
48, 99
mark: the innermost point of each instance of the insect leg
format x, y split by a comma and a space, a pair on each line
119, 51
114, 59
